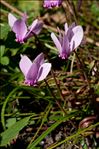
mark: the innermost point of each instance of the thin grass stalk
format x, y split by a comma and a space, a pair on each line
43, 120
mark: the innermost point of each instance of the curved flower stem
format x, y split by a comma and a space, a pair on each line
72, 62
82, 69
58, 86
56, 100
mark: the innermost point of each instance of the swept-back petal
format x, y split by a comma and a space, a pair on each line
65, 47
30, 28
43, 71
70, 31
72, 25
32, 73
60, 36
77, 37
20, 29
11, 19
66, 28
39, 59
33, 25
56, 42
35, 28
24, 17
25, 64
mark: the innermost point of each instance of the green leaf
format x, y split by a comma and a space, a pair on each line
2, 49
14, 52
4, 60
53, 49
10, 122
4, 29
45, 133
13, 131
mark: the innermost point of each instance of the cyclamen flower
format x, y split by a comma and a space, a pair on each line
21, 30
52, 3
69, 40
36, 71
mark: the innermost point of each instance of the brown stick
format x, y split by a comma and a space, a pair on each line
12, 8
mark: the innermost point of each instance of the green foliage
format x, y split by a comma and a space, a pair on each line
13, 131
79, 132
50, 129
33, 6
4, 29
4, 60
76, 88
10, 122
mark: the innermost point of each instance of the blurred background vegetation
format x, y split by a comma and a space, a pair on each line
30, 117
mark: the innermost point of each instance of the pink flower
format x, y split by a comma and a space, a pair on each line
21, 30
52, 3
36, 71
69, 40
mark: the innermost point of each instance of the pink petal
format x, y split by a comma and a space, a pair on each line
24, 17
25, 64
20, 29
60, 36
65, 47
35, 28
70, 31
52, 3
66, 28
39, 59
77, 37
43, 71
56, 42
33, 25
32, 73
11, 19
72, 25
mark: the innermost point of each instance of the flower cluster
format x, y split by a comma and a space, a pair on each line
67, 41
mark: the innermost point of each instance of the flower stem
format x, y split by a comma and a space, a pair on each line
56, 100
58, 86
82, 69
